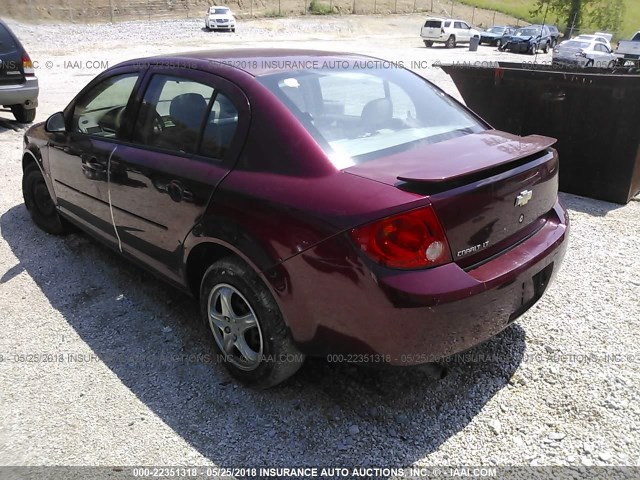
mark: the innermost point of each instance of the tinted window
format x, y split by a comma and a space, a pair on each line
101, 111
7, 43
220, 11
172, 113
458, 25
358, 115
498, 30
220, 128
636, 37
433, 23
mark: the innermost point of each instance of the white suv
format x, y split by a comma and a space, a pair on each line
448, 31
220, 18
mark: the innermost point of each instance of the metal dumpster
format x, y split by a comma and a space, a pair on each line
594, 114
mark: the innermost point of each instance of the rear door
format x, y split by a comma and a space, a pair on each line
432, 29
11, 70
189, 131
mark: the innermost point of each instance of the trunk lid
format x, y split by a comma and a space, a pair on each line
491, 191
431, 29
11, 72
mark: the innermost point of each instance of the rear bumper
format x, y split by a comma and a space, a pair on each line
25, 94
414, 317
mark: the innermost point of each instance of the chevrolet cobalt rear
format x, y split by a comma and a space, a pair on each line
314, 203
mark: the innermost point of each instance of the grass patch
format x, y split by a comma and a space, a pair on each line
522, 9
273, 14
318, 8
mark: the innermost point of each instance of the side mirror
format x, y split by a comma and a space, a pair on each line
55, 123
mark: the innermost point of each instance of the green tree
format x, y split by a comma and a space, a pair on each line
600, 14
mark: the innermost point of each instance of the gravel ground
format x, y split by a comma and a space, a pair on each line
131, 381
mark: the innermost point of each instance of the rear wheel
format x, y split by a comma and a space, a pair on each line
247, 325
451, 42
428, 43
23, 115
39, 203
533, 49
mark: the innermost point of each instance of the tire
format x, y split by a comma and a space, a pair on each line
612, 64
428, 43
589, 63
451, 42
23, 115
499, 43
231, 290
534, 49
546, 48
39, 203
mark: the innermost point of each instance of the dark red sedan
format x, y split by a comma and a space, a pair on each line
315, 203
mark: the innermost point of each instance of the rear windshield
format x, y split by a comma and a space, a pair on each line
576, 44
7, 43
433, 24
358, 115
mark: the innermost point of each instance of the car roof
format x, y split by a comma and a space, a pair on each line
255, 61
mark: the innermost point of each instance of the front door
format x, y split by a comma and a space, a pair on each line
79, 157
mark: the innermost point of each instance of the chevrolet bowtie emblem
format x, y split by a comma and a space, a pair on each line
523, 198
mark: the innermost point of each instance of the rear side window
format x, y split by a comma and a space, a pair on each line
433, 24
172, 113
636, 37
186, 116
7, 42
100, 112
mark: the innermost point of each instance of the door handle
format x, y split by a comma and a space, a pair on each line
175, 190
94, 164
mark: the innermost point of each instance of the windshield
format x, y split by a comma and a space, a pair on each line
359, 115
496, 30
219, 11
528, 32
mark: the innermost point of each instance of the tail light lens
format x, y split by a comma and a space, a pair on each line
410, 240
27, 65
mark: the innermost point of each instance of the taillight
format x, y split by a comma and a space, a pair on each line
411, 240
27, 65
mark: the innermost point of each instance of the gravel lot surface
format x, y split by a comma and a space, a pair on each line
130, 382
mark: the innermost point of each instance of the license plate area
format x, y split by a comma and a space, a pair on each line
532, 290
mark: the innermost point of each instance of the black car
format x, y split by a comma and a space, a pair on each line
18, 83
528, 40
555, 35
495, 35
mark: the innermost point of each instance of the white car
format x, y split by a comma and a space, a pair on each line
449, 31
583, 53
220, 18
598, 37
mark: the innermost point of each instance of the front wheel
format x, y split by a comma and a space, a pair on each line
247, 326
546, 48
533, 49
39, 203
498, 43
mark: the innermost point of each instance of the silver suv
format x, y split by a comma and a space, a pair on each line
18, 83
449, 31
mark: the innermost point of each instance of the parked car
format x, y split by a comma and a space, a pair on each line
220, 18
18, 83
528, 40
628, 51
598, 37
587, 53
360, 213
495, 35
554, 33
449, 31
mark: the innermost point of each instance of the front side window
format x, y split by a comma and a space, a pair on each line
358, 115
172, 113
101, 111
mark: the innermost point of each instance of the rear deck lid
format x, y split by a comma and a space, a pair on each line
489, 190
